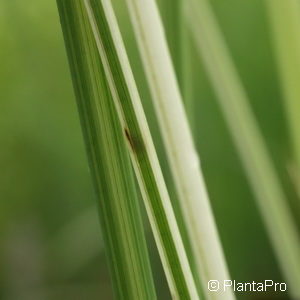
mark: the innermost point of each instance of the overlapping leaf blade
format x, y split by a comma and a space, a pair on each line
108, 158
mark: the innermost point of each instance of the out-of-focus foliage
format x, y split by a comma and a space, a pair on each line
50, 243
45, 181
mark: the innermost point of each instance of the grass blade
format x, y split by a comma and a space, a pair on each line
108, 158
178, 38
285, 25
171, 14
143, 155
248, 139
178, 141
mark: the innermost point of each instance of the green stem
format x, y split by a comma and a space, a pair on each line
108, 160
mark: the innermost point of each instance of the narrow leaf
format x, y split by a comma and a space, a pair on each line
140, 144
248, 139
108, 159
179, 144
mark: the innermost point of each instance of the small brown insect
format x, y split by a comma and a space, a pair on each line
135, 144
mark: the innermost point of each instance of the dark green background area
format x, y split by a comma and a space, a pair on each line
50, 240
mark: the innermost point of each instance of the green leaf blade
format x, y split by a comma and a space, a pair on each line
145, 162
108, 158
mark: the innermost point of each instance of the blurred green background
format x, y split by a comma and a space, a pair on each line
50, 239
